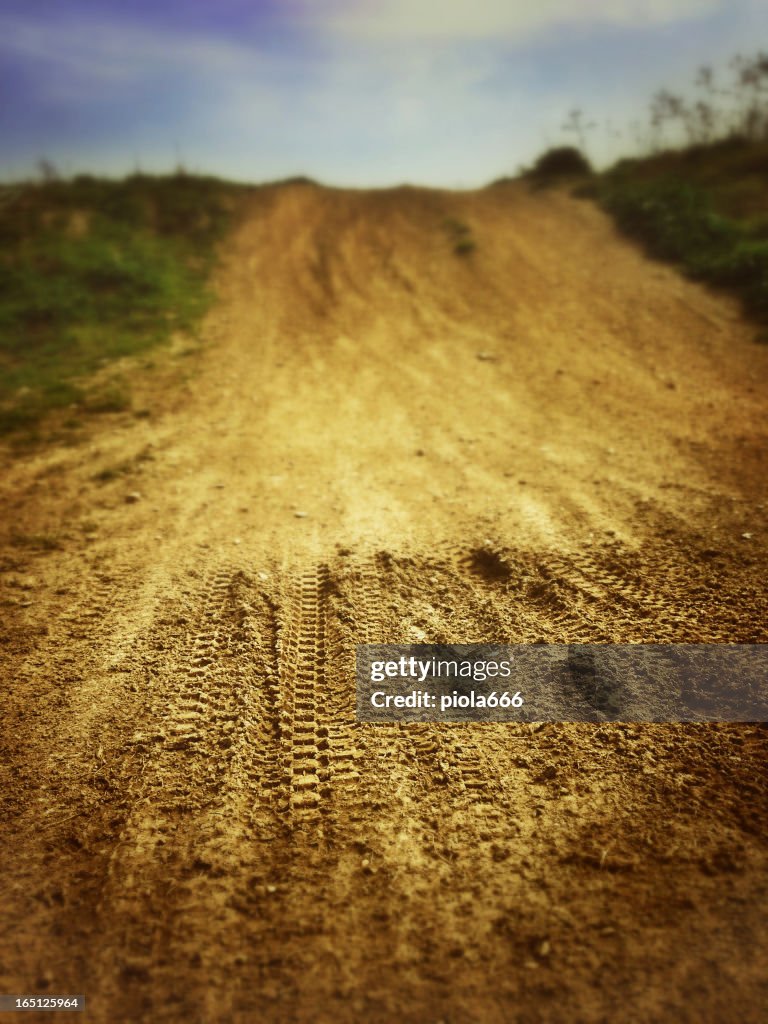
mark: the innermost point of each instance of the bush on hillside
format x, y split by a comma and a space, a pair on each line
560, 162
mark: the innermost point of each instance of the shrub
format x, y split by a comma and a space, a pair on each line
560, 162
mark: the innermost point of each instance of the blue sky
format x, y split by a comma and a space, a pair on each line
357, 92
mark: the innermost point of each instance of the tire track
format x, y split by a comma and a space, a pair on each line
602, 593
102, 596
305, 743
447, 755
539, 593
206, 804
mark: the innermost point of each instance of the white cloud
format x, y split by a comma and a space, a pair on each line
512, 20
112, 54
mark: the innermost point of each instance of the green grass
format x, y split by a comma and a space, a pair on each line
464, 247
704, 209
460, 235
92, 270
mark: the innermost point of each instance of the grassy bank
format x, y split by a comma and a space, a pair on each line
92, 270
704, 208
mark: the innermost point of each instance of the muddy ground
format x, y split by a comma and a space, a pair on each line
195, 826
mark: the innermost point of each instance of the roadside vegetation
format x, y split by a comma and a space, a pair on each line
704, 209
557, 164
92, 270
698, 195
460, 236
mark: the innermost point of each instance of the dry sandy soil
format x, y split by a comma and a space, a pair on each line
195, 826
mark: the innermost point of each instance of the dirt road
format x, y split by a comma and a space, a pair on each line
548, 438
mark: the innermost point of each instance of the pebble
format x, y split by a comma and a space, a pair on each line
300, 515
132, 498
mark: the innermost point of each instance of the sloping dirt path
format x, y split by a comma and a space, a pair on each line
551, 438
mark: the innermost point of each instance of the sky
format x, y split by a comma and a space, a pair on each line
452, 93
